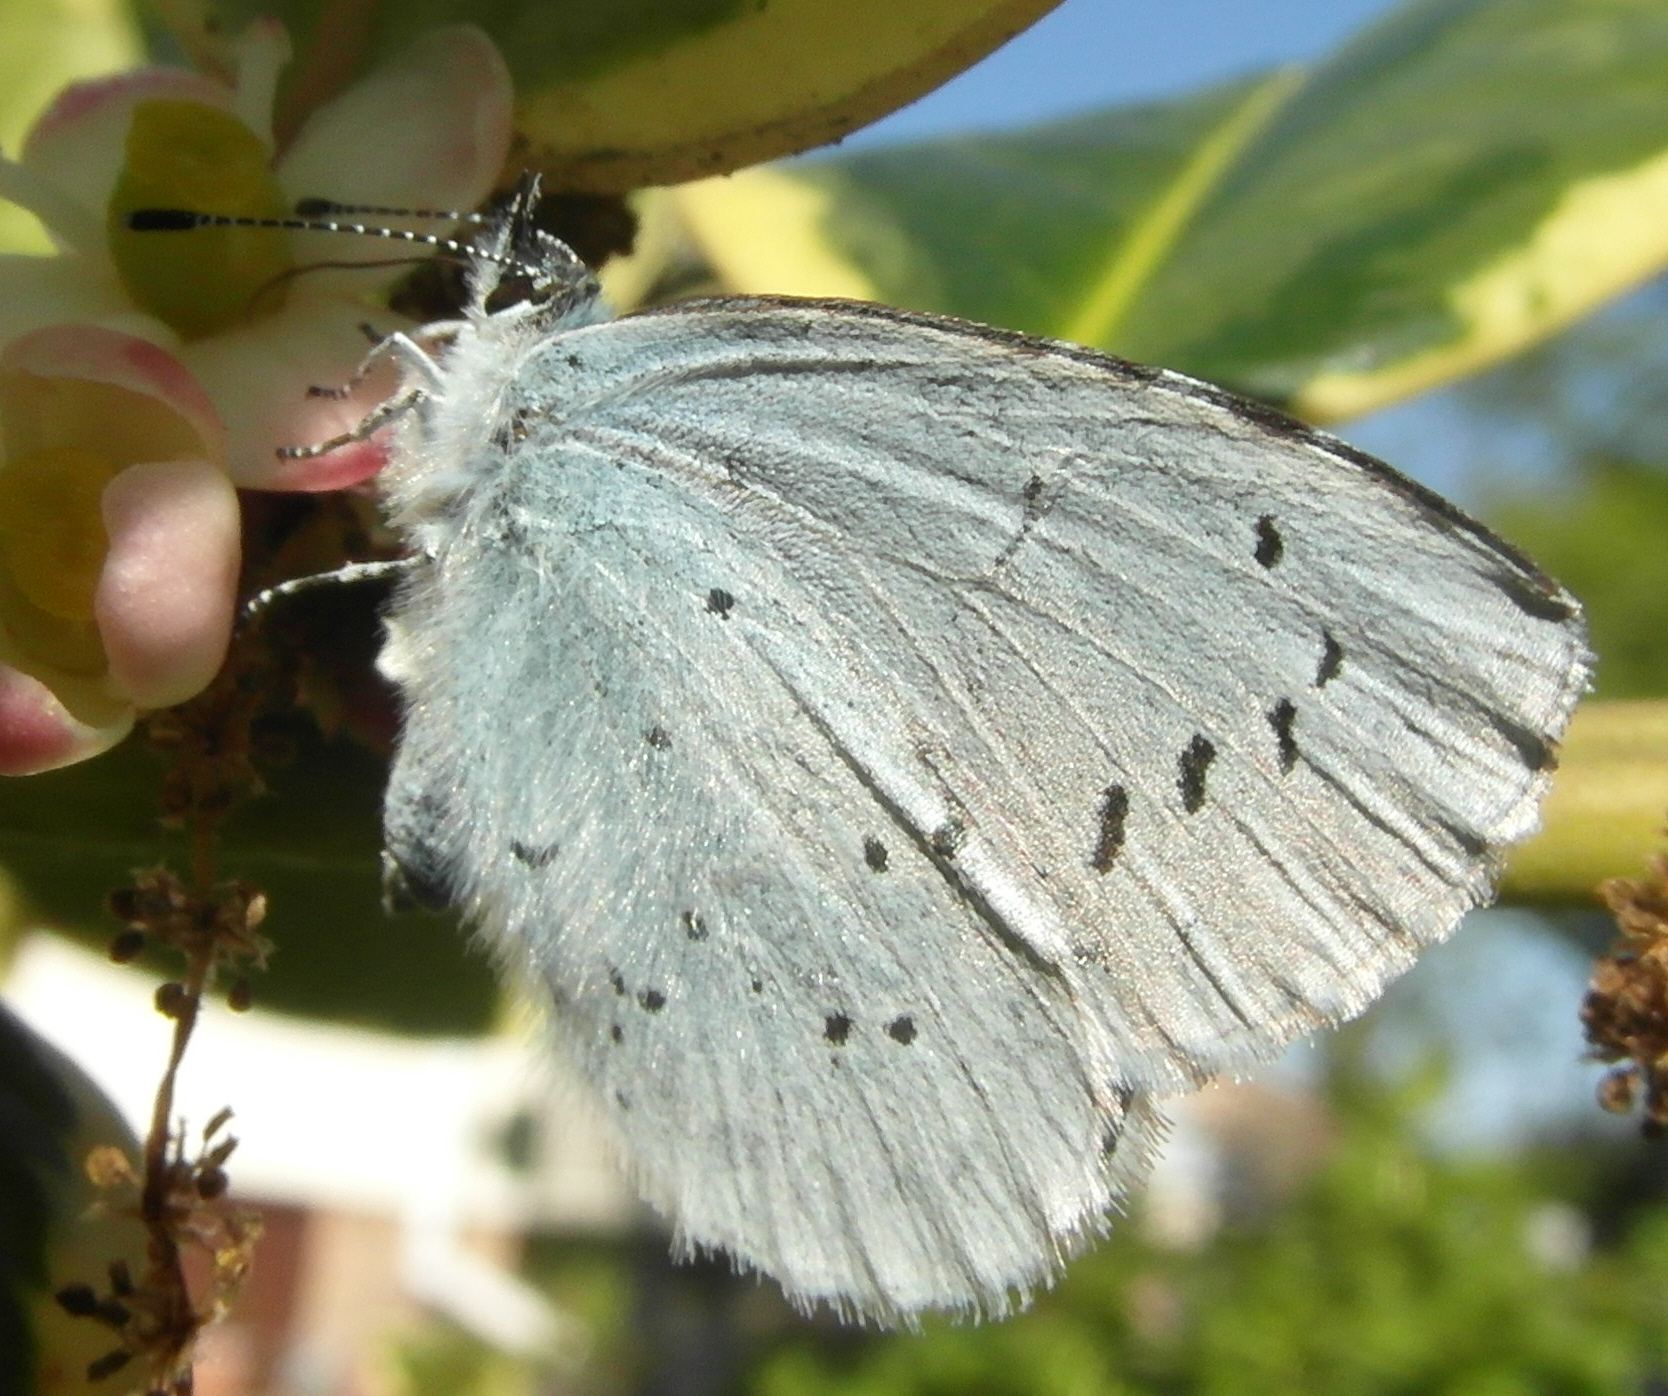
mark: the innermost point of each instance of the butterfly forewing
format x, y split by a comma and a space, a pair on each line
905, 750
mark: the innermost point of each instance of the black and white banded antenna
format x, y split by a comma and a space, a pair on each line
184, 220
537, 266
331, 210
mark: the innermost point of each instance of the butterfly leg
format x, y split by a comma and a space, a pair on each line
414, 363
409, 352
349, 574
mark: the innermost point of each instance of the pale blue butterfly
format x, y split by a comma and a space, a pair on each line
907, 751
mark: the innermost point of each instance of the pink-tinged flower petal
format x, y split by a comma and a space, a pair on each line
428, 129
54, 391
40, 291
259, 375
169, 586
36, 734
82, 403
80, 141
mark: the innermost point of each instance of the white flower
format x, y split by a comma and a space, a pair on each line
143, 375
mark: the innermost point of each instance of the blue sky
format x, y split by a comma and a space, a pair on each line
1090, 53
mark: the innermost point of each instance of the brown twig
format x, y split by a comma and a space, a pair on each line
213, 925
176, 1191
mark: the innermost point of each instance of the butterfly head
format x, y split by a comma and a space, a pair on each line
521, 272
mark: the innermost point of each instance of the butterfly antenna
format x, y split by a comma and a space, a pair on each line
181, 220
329, 209
535, 266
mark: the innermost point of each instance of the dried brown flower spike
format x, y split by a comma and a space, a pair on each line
154, 1319
1625, 1014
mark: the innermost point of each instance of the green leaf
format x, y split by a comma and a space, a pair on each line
1031, 231
311, 844
617, 94
1460, 181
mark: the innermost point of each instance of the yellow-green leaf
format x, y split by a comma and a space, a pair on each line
617, 94
1465, 179
1038, 231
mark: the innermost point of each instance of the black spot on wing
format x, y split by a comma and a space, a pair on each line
874, 854
651, 1000
535, 855
658, 737
1331, 660
901, 1029
618, 981
1282, 717
720, 603
416, 872
836, 1027
1109, 840
411, 885
1124, 1098
1034, 508
1195, 761
1271, 547
757, 986
694, 927
617, 1033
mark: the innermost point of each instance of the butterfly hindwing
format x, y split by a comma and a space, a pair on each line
820, 1054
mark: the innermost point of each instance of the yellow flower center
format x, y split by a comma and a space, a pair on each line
52, 538
186, 155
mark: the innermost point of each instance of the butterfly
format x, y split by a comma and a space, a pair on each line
904, 752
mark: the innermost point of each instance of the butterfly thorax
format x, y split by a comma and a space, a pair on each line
468, 414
